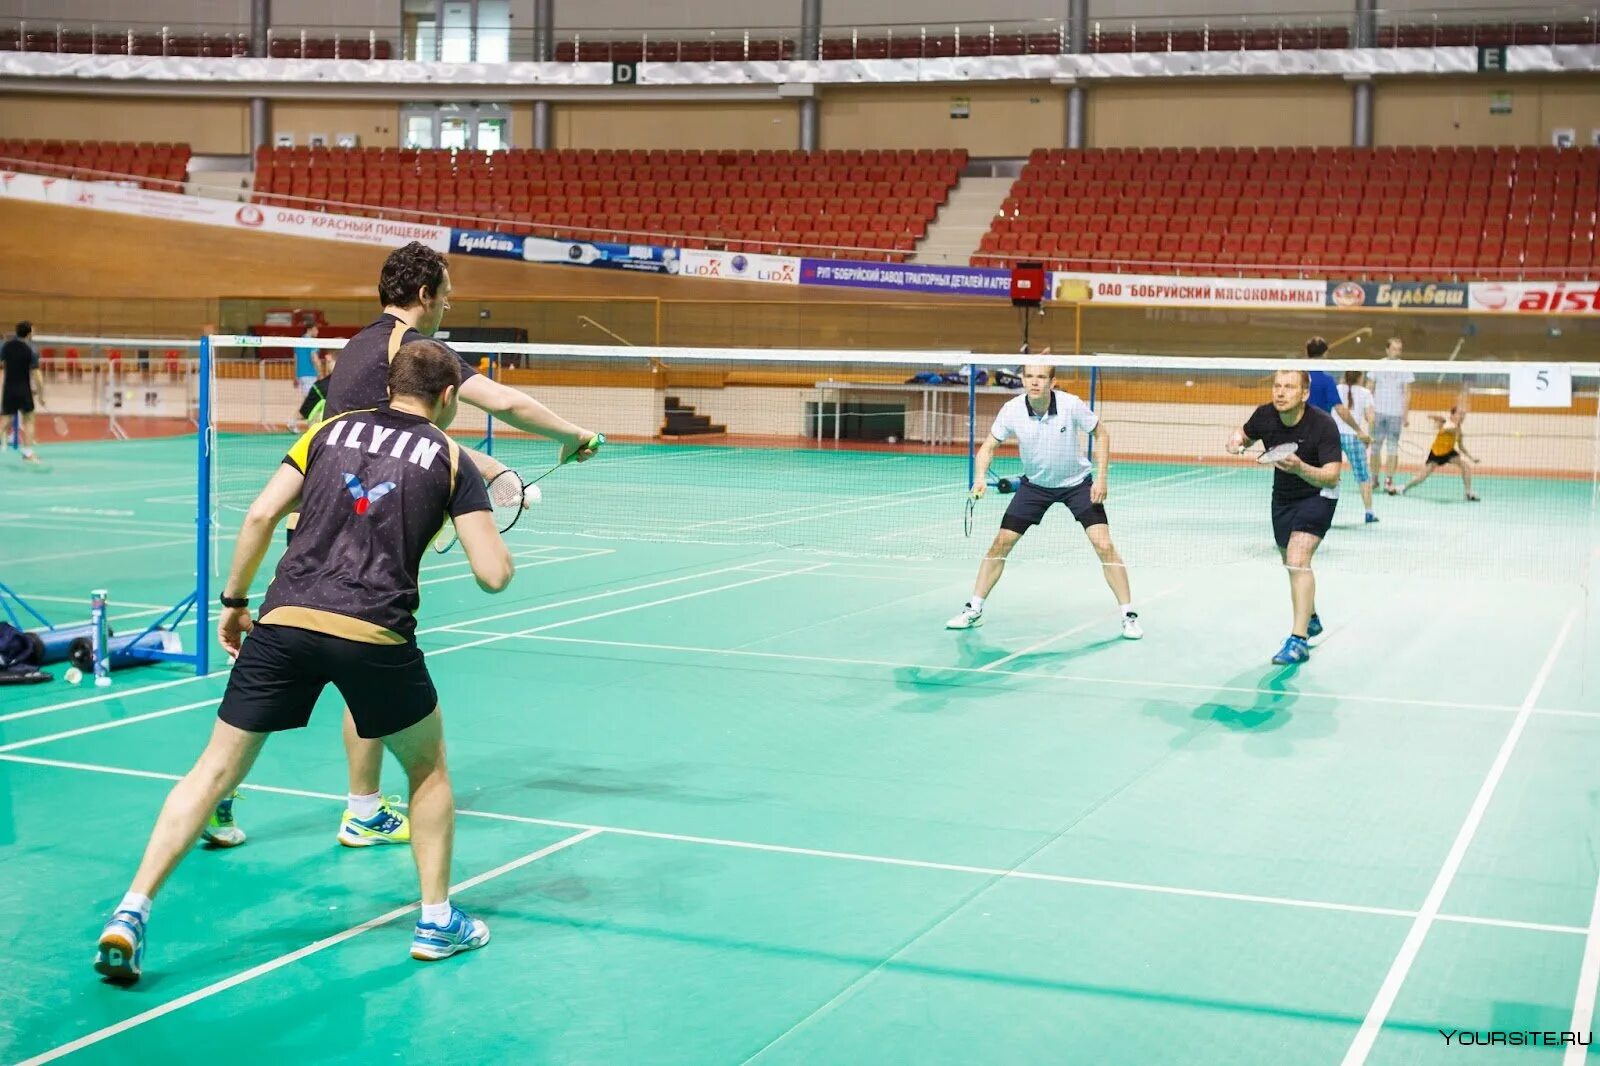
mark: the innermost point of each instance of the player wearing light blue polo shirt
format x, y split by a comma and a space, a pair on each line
1049, 426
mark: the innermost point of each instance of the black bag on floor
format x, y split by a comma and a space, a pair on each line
20, 655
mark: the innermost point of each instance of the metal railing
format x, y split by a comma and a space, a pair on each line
1521, 24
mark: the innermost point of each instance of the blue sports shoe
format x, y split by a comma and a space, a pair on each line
1314, 628
1294, 651
388, 826
461, 933
120, 953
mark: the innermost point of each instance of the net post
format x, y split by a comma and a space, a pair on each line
202, 518
972, 423
488, 422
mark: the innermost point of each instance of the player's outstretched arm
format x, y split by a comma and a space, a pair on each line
1239, 442
486, 550
980, 468
280, 498
517, 408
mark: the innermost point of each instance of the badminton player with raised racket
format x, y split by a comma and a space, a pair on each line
1305, 491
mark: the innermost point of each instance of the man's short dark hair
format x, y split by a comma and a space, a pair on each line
1303, 375
1316, 348
24, 329
422, 370
407, 272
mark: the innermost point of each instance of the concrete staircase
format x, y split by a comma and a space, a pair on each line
954, 236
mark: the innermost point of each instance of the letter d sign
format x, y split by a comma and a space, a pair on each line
624, 73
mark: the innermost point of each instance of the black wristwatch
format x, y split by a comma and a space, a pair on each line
233, 602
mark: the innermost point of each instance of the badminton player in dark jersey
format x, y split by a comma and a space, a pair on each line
1305, 491
414, 288
372, 487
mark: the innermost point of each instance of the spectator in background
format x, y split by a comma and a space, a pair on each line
307, 364
21, 386
1391, 396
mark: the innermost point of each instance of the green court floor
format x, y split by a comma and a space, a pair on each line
729, 791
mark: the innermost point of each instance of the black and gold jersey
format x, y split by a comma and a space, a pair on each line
361, 374
379, 484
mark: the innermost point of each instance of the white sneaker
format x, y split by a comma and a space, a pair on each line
969, 617
1130, 626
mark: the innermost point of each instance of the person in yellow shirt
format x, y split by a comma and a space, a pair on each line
1449, 448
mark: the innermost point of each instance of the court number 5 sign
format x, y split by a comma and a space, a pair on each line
1541, 385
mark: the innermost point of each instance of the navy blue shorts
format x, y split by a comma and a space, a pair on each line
1032, 501
1313, 515
282, 670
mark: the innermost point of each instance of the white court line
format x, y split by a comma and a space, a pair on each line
100, 551
102, 698
581, 599
1372, 1025
294, 956
494, 638
851, 856
823, 509
1031, 648
84, 601
1029, 674
538, 561
115, 723
102, 530
76, 523
121, 694
927, 495
1588, 987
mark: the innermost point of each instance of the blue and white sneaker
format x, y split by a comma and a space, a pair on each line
1294, 651
461, 933
120, 954
388, 826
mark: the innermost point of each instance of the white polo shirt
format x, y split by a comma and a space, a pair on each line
1052, 450
1389, 389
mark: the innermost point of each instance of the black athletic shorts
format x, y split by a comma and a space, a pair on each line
1032, 501
1440, 460
283, 669
1313, 515
18, 402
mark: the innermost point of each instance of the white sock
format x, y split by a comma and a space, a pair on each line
27, 453
136, 903
976, 603
364, 807
1127, 609
436, 913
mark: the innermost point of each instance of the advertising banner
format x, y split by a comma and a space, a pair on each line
1399, 295
906, 277
1150, 290
1536, 297
739, 266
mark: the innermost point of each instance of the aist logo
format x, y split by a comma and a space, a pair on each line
364, 496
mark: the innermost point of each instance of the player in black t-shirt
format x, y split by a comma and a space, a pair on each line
373, 487
1305, 491
20, 386
414, 288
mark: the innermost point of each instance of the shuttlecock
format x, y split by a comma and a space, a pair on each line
531, 495
73, 675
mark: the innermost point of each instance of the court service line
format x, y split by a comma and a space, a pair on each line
115, 723
1383, 1002
66, 525
494, 638
1588, 987
582, 599
122, 694
1029, 674
295, 956
1045, 643
824, 509
80, 554
537, 561
851, 856
84, 601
